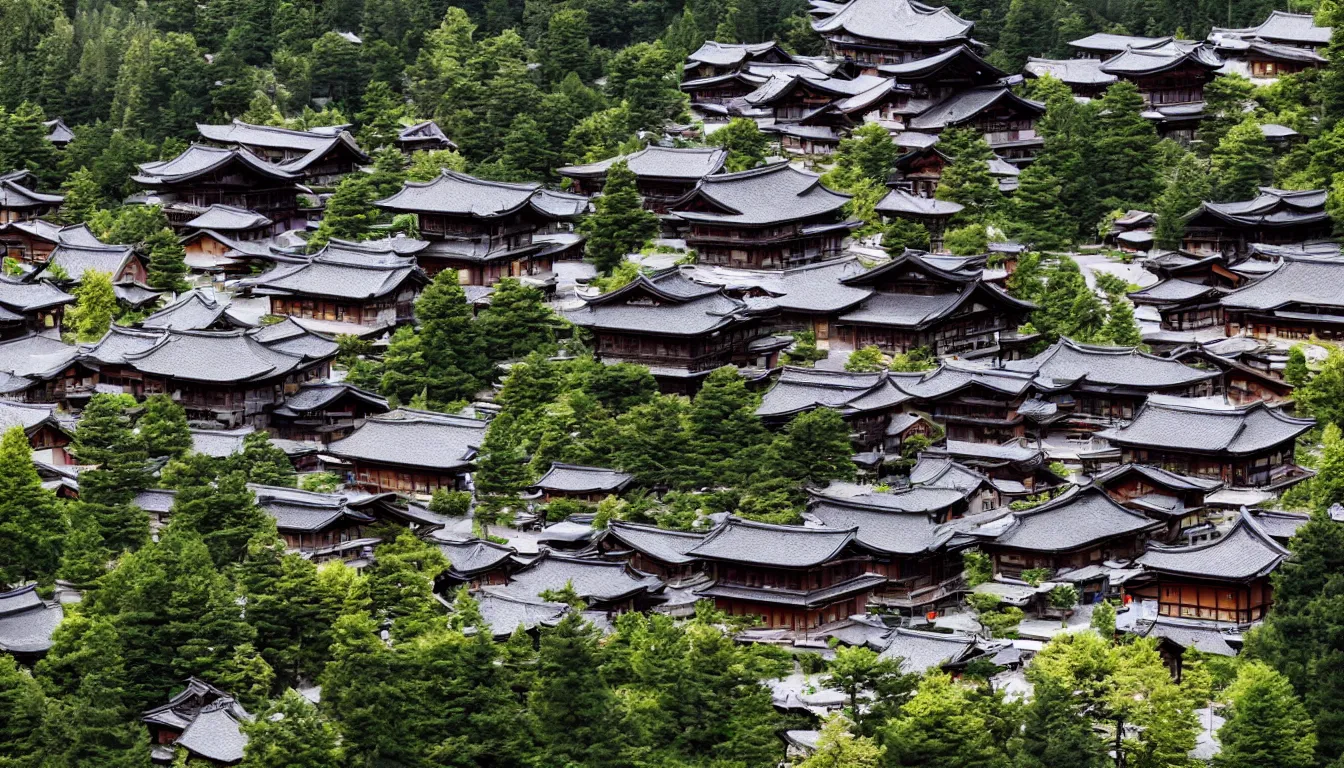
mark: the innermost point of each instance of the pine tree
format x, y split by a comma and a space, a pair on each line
517, 322
22, 710
526, 156
745, 142
869, 153
813, 449
31, 524
401, 585
286, 606
645, 76
1241, 162
1121, 328
95, 306
1295, 371
290, 733
1187, 185
574, 708
1038, 215
966, 178
24, 143
866, 360
723, 432
1266, 725
83, 196
349, 213
903, 234
652, 444
940, 728
1323, 396
502, 465
838, 748
163, 428
565, 48
84, 559
379, 120
263, 462
224, 513
104, 438
1225, 101
1124, 165
1068, 129
446, 358
619, 225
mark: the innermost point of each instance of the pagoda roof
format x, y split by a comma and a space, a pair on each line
335, 274
1133, 62
773, 546
58, 132
1164, 478
275, 137
1283, 27
195, 310
26, 621
24, 297
665, 303
1245, 552
414, 439
964, 105
594, 580
14, 195
1105, 42
73, 234
1071, 71
502, 613
921, 311
897, 202
895, 21
1237, 431
315, 396
815, 287
213, 356
1078, 518
199, 159
457, 194
661, 544
574, 478
308, 511
918, 69
1313, 282
1171, 291
1067, 363
76, 259
228, 218
733, 54
689, 163
35, 357
425, 129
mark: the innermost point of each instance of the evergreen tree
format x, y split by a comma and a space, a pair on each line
869, 153
619, 225
575, 710
1121, 328
104, 439
84, 559
286, 606
1295, 371
1028, 30
263, 463
723, 433
22, 710
813, 449
565, 48
224, 513
83, 196
1124, 167
163, 428
349, 213
1187, 185
858, 670
24, 142
1327, 487
526, 156
292, 733
401, 585
1067, 306
1038, 215
1225, 102
1240, 162
903, 234
1266, 724
502, 464
1056, 734
940, 728
867, 359
447, 358
31, 524
652, 444
517, 322
966, 178
646, 76
1323, 396
1068, 129
838, 748
379, 120
745, 142
95, 306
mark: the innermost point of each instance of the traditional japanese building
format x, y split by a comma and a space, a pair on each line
662, 174
27, 623
69, 261
411, 452
1224, 580
474, 562
714, 58
47, 436
1300, 299
329, 526
1092, 386
1007, 121
932, 213
770, 217
201, 720
1104, 45
204, 176
1171, 78
322, 412
916, 304
425, 136
58, 132
793, 577
572, 481
343, 288
320, 156
606, 586
27, 307
1081, 527
487, 230
679, 329
1250, 446
1182, 305
871, 33
198, 310
867, 401
33, 241
1282, 44
1275, 217
1245, 379
19, 201
231, 377
650, 549
1177, 500
1084, 76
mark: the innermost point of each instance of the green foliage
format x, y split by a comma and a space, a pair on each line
105, 439
744, 141
1225, 102
224, 514
167, 262
262, 462
83, 196
1038, 215
1240, 162
813, 449
1323, 396
917, 359
865, 360
163, 428
517, 322
858, 670
1266, 723
837, 747
1103, 619
804, 351
450, 503
619, 224
904, 234
966, 179
446, 358
1124, 168
95, 306
970, 240
1295, 371
1186, 185
320, 482
942, 727
292, 732
31, 525
868, 153
978, 567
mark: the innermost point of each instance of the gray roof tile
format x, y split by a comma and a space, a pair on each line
781, 546
26, 622
1245, 430
580, 479
1245, 552
761, 196
1067, 363
672, 547
1074, 520
597, 580
688, 163
414, 439
901, 21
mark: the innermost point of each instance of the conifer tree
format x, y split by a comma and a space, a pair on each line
574, 708
104, 439
838, 748
163, 428
379, 120
95, 725
287, 607
1295, 371
22, 710
292, 732
813, 449
1266, 724
224, 513
904, 234
1240, 162
1323, 395
966, 179
1187, 185
263, 462
1121, 328
1068, 129
565, 47
95, 307
1056, 734
83, 196
745, 142
869, 153
401, 585
619, 224
1038, 215
723, 432
31, 524
84, 559
526, 155
1225, 101
24, 142
940, 728
652, 443
517, 322
1124, 165
446, 358
502, 464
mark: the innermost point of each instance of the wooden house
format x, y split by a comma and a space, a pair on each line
488, 230
201, 720
203, 176
1224, 580
1299, 300
870, 33
322, 412
572, 481
475, 563
28, 307
1006, 120
650, 549
424, 136
33, 241
411, 452
771, 217
1175, 499
606, 586
27, 623
321, 157
20, 202
1274, 216
662, 174
1283, 44
792, 577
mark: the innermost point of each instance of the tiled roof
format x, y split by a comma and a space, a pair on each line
592, 579
767, 195
781, 546
1068, 363
1071, 71
26, 622
157, 500
36, 356
729, 54
1105, 42
665, 303
1278, 525
801, 389
945, 473
689, 163
1296, 281
812, 288
579, 479
903, 310
882, 530
26, 415
1282, 26
216, 356
193, 311
269, 136
915, 499
315, 396
467, 558
1203, 636
78, 259
1134, 62
919, 68
922, 651
220, 443
504, 613
800, 598
199, 159
1076, 519
427, 129
20, 296
1244, 430
458, 194
216, 733
1173, 290
671, 547
964, 105
294, 337
1270, 208
414, 439
899, 201
1245, 552
228, 218
1162, 477
119, 342
900, 21
336, 275
14, 195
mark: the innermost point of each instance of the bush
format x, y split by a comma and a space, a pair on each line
450, 503
970, 240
